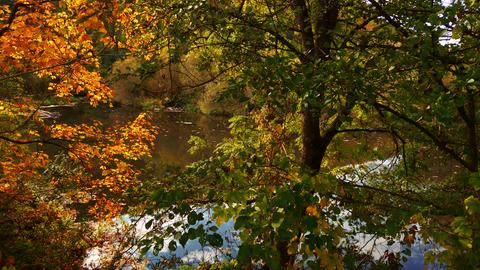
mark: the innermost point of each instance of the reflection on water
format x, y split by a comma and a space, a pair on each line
175, 129
194, 253
171, 149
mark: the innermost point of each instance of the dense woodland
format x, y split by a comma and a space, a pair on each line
399, 78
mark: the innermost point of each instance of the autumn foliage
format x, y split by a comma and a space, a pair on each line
316, 77
60, 42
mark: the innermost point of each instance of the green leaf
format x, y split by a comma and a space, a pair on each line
172, 246
192, 218
277, 219
472, 205
457, 32
215, 239
244, 254
241, 222
213, 228
183, 239
407, 252
144, 250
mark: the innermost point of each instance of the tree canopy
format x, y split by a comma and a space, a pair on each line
314, 72
59, 43
311, 75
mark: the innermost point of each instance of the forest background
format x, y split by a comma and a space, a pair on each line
297, 77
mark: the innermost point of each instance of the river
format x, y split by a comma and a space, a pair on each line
175, 128
171, 151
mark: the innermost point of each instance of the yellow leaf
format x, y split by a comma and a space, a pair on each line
311, 210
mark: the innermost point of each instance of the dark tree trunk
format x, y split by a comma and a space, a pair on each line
468, 114
315, 46
472, 134
312, 142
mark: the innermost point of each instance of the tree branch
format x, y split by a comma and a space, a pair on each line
399, 195
439, 143
36, 70
31, 142
364, 130
13, 14
389, 18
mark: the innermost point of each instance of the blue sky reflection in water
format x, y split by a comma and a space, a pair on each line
194, 253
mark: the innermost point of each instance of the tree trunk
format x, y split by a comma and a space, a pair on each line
311, 140
472, 134
315, 46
